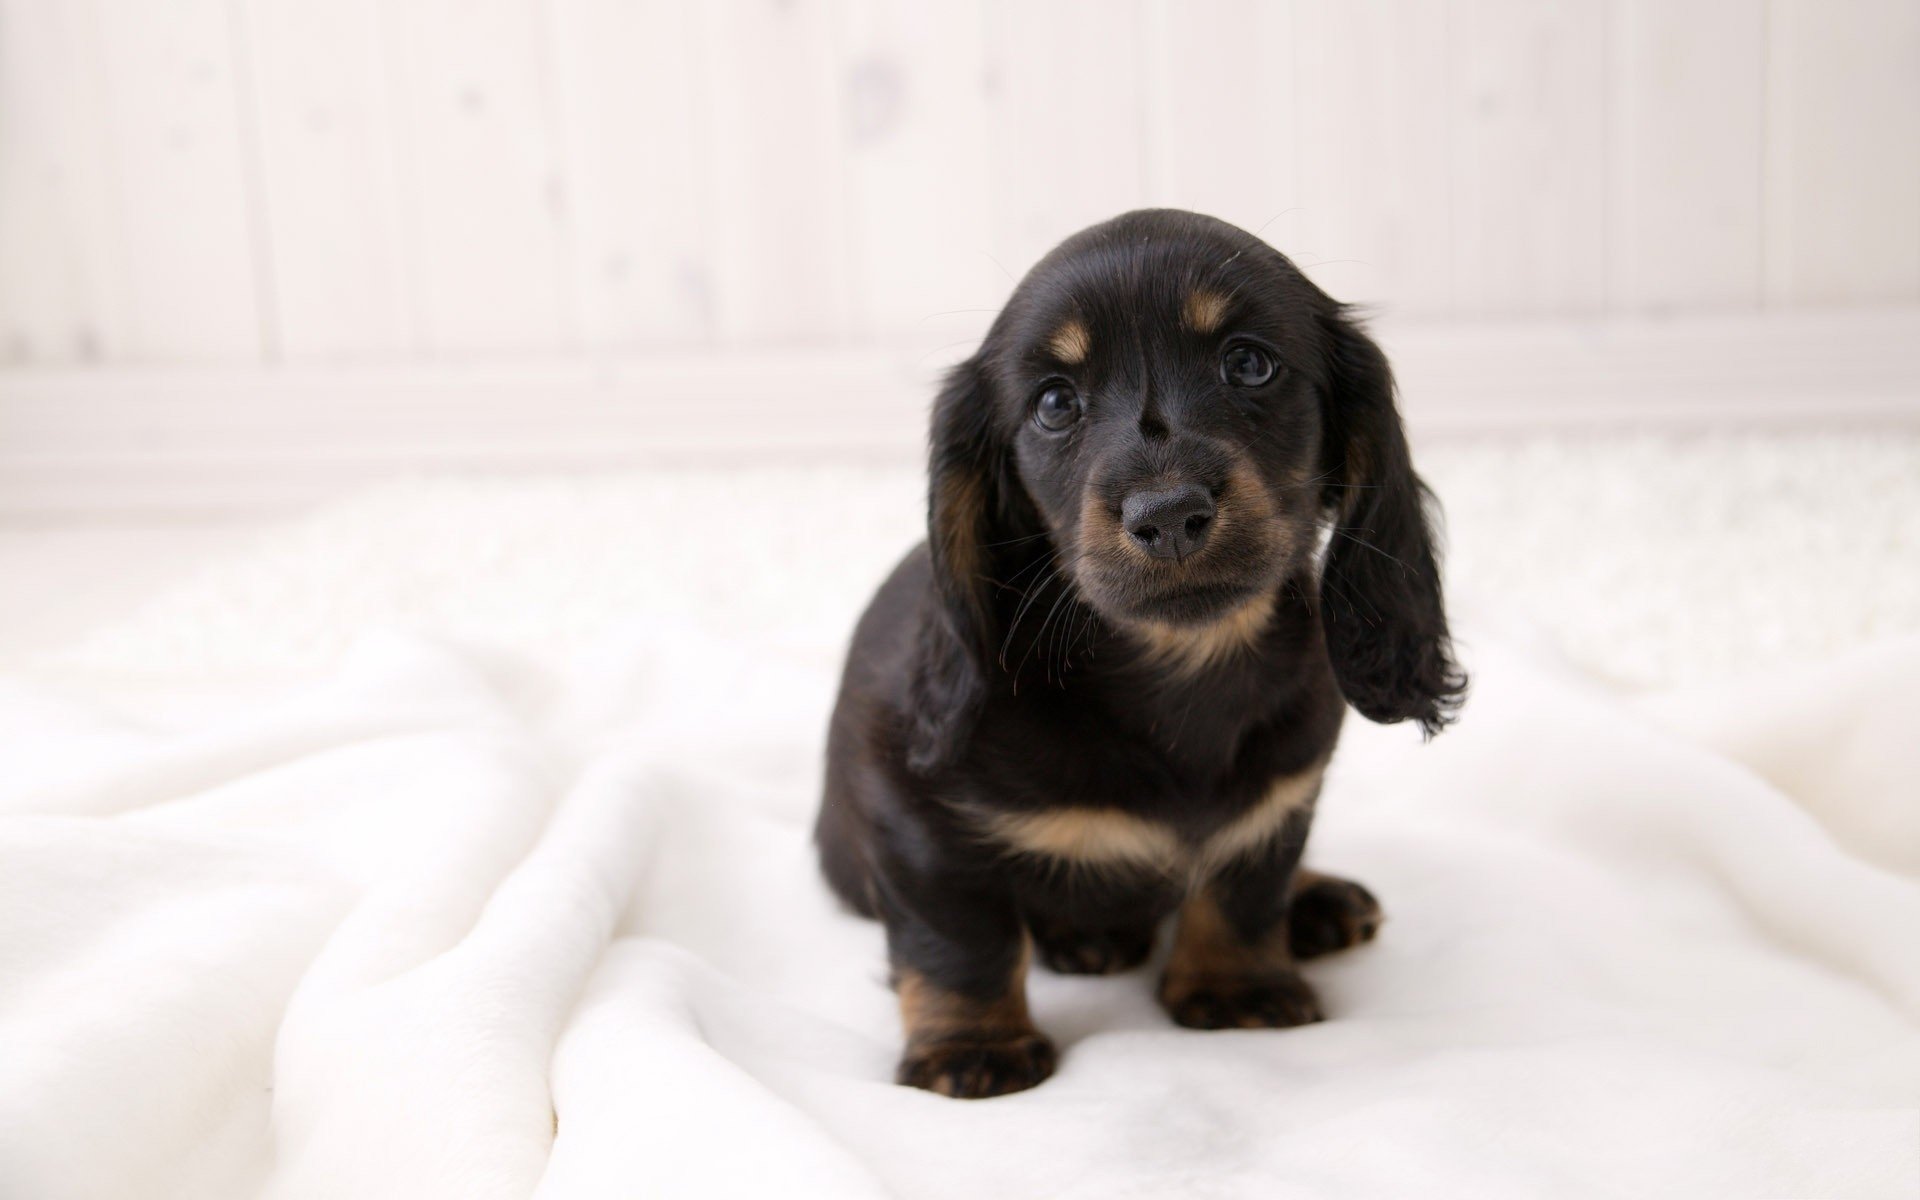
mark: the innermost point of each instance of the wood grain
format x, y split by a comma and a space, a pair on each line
251, 182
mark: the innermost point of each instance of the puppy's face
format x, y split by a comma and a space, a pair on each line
1157, 382
1183, 416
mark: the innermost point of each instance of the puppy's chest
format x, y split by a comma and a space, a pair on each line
1189, 841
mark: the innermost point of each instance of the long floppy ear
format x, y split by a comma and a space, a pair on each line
957, 641
1380, 603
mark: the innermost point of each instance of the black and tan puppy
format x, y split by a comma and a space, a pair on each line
1173, 532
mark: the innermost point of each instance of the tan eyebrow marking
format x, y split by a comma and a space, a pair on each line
1204, 311
1071, 343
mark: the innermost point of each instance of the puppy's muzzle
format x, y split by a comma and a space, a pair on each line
1169, 522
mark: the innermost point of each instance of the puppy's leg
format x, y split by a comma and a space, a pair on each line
1329, 913
1232, 964
960, 966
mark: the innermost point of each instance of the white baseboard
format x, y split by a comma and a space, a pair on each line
178, 441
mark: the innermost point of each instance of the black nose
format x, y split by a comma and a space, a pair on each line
1171, 522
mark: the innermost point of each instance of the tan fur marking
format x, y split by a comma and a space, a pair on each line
1191, 649
1071, 343
962, 510
1217, 978
1253, 828
1204, 311
1100, 527
1100, 837
1095, 836
1205, 945
932, 1014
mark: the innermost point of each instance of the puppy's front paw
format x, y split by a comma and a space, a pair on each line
1103, 953
1329, 913
974, 1070
1274, 1000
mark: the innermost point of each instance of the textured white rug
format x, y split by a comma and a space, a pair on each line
514, 897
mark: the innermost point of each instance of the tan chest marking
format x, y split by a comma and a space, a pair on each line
1102, 837
1095, 836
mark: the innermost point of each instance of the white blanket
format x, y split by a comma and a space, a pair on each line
456, 923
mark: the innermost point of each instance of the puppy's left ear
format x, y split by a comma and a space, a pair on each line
1380, 602
957, 642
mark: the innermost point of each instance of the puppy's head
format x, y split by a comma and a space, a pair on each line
1181, 419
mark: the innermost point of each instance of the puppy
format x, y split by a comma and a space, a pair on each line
1173, 531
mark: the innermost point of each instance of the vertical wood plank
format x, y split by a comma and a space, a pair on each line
778, 185
1066, 119
59, 282
1687, 110
919, 167
486, 209
1222, 128
1373, 191
1527, 110
636, 123
1843, 152
480, 176
330, 178
188, 233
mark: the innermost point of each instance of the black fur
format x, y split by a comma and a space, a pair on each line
1018, 662
1385, 623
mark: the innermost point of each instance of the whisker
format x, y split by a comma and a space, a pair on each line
1062, 643
921, 359
953, 312
1015, 541
1275, 217
1003, 267
1377, 550
1043, 559
1327, 579
1041, 632
1027, 599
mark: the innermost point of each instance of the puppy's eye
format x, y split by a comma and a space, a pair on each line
1056, 408
1246, 365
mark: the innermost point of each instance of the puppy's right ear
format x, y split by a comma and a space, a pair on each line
958, 640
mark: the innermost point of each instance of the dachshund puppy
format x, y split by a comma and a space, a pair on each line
1173, 532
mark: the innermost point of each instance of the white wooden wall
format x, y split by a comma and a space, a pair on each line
249, 182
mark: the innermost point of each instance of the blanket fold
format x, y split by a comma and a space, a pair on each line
448, 923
